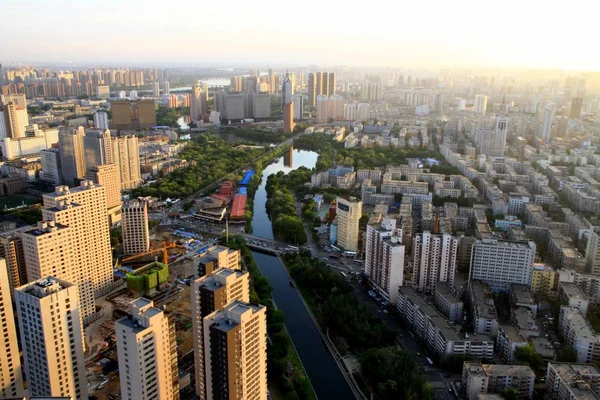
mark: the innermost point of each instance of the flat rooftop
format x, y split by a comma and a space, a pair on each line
512, 333
524, 319
227, 318
572, 291
522, 294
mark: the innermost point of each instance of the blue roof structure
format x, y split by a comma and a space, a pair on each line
247, 176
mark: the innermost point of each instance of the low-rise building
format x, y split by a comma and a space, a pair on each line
448, 304
573, 296
521, 296
508, 340
543, 280
524, 320
572, 381
480, 378
483, 310
578, 333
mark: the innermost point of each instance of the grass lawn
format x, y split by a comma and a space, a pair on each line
17, 200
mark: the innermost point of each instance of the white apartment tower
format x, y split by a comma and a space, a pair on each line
546, 126
51, 169
480, 104
127, 157
52, 338
434, 260
146, 345
592, 253
134, 220
208, 294
348, 212
384, 258
11, 378
101, 120
235, 340
109, 177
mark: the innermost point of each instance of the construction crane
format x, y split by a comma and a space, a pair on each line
164, 248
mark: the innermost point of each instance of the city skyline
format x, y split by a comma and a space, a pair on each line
451, 36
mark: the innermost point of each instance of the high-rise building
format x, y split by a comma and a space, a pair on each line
236, 84
236, 365
156, 89
97, 146
298, 101
11, 250
546, 125
287, 90
576, 104
434, 260
384, 258
480, 105
272, 83
166, 88
139, 114
134, 221
17, 98
101, 120
103, 91
51, 167
127, 157
196, 103
288, 117
210, 293
52, 338
108, 177
1, 75
147, 349
314, 80
13, 121
349, 212
72, 155
73, 242
11, 378
320, 83
330, 83
370, 91
592, 253
501, 263
322, 103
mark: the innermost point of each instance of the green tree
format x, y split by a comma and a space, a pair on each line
510, 393
568, 354
527, 355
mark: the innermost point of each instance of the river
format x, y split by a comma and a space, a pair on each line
324, 373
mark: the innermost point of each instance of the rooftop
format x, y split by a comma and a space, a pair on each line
482, 300
229, 317
572, 291
522, 294
512, 333
508, 370
524, 319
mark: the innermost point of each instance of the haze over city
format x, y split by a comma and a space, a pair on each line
474, 34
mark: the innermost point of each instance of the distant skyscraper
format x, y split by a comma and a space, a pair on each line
349, 212
434, 260
298, 101
322, 104
166, 87
11, 378
546, 126
101, 120
384, 258
72, 155
196, 103
272, 82
576, 104
480, 105
500, 130
288, 118
147, 350
11, 250
156, 89
239, 367
51, 167
127, 157
313, 80
208, 294
137, 114
320, 83
13, 121
134, 221
370, 91
97, 146
52, 338
1, 75
287, 90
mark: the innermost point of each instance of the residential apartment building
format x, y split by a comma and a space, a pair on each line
134, 222
108, 176
434, 260
448, 303
127, 157
384, 258
588, 283
571, 294
11, 377
543, 280
235, 340
483, 309
508, 340
501, 263
349, 212
216, 257
578, 333
208, 294
566, 381
11, 250
480, 378
147, 349
52, 338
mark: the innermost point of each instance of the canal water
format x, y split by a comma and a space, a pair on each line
324, 373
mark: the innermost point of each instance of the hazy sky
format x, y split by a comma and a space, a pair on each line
475, 33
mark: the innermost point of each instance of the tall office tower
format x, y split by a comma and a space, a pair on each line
11, 250
204, 98
576, 104
139, 114
235, 84
259, 104
127, 157
349, 212
298, 101
101, 120
272, 84
249, 84
13, 121
288, 118
436, 102
134, 220
210, 293
480, 104
196, 103
546, 125
72, 155
97, 146
156, 89
335, 107
51, 167
592, 253
166, 88
287, 90
501, 263
322, 108
11, 378
108, 176
147, 349
73, 242
434, 260
314, 81
384, 258
52, 338
236, 365
499, 140
330, 83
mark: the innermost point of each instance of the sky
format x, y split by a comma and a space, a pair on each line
530, 34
